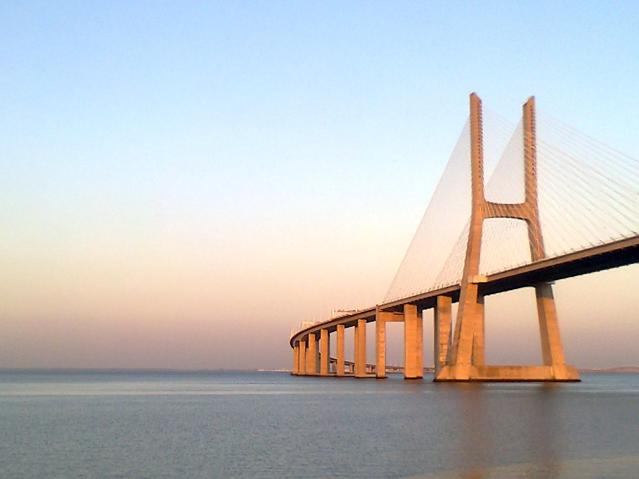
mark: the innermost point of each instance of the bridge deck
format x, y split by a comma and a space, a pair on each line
598, 258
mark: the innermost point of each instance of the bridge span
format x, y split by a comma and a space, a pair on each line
459, 355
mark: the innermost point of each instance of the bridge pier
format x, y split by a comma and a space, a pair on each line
479, 336
360, 348
296, 356
380, 345
324, 352
339, 366
551, 349
466, 360
301, 369
311, 355
442, 327
413, 343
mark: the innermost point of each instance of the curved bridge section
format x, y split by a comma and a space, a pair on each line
311, 345
459, 355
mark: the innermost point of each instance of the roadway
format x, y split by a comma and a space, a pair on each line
597, 258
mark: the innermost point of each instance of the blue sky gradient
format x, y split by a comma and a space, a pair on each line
194, 166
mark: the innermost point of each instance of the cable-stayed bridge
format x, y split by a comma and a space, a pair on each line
516, 207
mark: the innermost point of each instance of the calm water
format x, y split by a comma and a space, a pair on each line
179, 425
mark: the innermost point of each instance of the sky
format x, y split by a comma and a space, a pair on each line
183, 183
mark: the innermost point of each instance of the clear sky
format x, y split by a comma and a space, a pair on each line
183, 182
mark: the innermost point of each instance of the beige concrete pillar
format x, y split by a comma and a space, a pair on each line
296, 353
311, 355
355, 349
413, 343
328, 350
420, 341
479, 339
360, 348
443, 318
339, 343
324, 354
552, 351
468, 314
380, 346
302, 357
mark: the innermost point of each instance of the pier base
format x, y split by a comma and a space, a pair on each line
563, 373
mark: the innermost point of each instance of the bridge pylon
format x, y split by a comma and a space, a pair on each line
466, 357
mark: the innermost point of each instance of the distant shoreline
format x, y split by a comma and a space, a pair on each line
620, 369
126, 370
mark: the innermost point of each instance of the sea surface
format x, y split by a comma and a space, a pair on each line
69, 424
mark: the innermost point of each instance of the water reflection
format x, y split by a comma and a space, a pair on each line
476, 438
546, 440
489, 427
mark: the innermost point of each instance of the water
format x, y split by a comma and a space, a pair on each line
272, 425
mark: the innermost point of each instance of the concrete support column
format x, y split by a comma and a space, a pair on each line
380, 346
296, 353
552, 351
479, 339
324, 352
339, 366
413, 343
311, 355
360, 348
465, 326
443, 318
302, 357
355, 350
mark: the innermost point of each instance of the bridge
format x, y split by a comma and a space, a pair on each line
557, 204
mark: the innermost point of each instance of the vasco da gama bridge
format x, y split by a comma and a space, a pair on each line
556, 204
